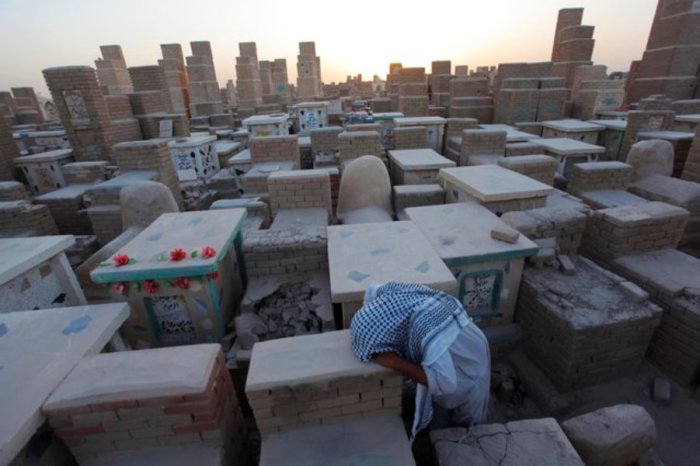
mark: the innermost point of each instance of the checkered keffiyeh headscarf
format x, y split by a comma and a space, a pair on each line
402, 319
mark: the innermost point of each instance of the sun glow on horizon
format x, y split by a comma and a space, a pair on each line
364, 37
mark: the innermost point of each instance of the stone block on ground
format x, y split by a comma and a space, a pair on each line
538, 442
613, 436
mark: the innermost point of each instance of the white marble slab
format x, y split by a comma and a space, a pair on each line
378, 440
50, 156
190, 231
690, 118
613, 114
491, 183
498, 126
192, 141
305, 359
135, 375
363, 254
513, 134
242, 157
265, 119
462, 232
667, 135
19, 255
419, 159
617, 125
566, 146
37, 350
225, 148
300, 218
419, 121
571, 126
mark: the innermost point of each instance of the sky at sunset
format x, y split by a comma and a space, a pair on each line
357, 36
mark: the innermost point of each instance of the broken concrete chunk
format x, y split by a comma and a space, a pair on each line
661, 391
505, 233
613, 436
566, 266
537, 441
544, 257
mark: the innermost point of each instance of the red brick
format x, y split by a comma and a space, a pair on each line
66, 412
72, 433
192, 408
196, 427
161, 401
60, 422
74, 442
114, 405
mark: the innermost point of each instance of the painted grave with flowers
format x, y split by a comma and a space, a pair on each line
182, 276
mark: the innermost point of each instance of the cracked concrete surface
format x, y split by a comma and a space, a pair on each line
538, 441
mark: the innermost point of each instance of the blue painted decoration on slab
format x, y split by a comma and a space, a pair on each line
447, 240
378, 252
77, 325
423, 267
3, 329
357, 276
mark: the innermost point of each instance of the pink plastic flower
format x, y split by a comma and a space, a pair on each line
183, 283
121, 259
177, 254
120, 288
208, 252
150, 286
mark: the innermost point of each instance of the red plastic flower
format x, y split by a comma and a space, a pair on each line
150, 286
208, 252
177, 254
121, 259
214, 275
120, 288
182, 283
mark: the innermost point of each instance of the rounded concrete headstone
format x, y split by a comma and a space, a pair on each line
144, 201
364, 183
652, 157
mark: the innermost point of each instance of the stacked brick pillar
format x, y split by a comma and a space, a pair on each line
153, 155
83, 111
593, 92
573, 44
308, 73
248, 81
8, 151
440, 77
204, 92
28, 108
672, 58
280, 80
413, 92
173, 64
111, 71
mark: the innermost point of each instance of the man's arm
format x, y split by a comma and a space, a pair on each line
404, 366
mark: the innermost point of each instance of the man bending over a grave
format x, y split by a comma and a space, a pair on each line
427, 336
